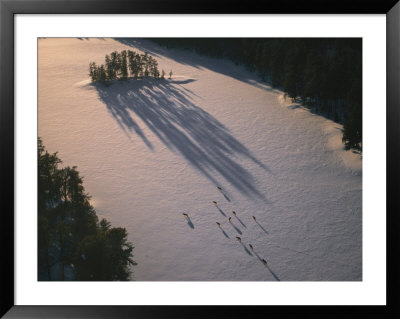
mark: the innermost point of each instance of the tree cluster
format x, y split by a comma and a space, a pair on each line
123, 65
72, 243
324, 74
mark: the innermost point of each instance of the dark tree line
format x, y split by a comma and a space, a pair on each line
324, 74
123, 65
72, 243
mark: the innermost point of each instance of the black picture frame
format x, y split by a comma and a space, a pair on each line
8, 8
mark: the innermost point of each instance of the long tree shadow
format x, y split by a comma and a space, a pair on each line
195, 60
169, 113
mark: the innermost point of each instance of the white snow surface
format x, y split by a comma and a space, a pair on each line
150, 150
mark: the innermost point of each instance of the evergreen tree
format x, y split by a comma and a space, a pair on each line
124, 66
131, 62
115, 64
310, 94
109, 68
290, 77
104, 256
138, 66
69, 232
145, 64
121, 65
102, 74
93, 71
322, 73
155, 73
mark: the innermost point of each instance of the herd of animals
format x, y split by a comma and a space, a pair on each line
229, 219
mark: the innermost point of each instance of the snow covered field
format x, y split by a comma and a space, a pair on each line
150, 150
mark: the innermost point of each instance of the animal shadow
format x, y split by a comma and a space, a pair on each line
246, 250
225, 234
264, 230
189, 222
266, 266
237, 229
221, 211
240, 221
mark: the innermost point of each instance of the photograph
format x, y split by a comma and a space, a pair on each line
183, 159
200, 159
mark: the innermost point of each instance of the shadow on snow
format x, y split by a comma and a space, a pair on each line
225, 234
221, 211
168, 111
246, 250
237, 229
266, 266
195, 60
189, 222
265, 231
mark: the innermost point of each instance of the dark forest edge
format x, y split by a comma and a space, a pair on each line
72, 243
323, 74
125, 65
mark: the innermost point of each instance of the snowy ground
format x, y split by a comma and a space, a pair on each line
150, 150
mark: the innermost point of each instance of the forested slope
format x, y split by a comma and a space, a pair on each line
323, 74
